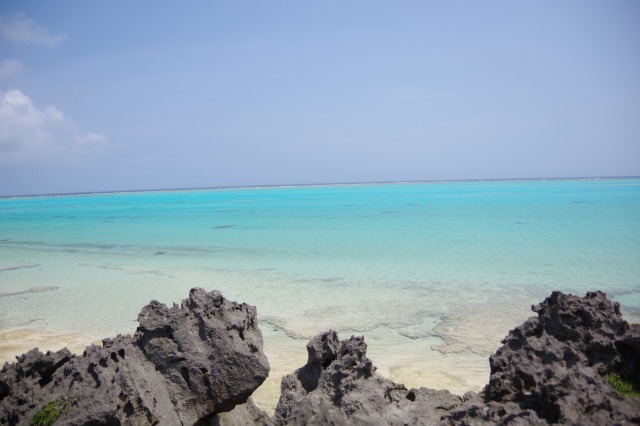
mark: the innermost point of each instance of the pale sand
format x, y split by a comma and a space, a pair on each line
285, 356
478, 331
14, 342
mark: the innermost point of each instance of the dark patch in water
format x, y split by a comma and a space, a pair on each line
223, 227
159, 253
30, 290
16, 267
388, 212
409, 336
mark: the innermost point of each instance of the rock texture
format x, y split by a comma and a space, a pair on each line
183, 365
338, 386
190, 363
551, 370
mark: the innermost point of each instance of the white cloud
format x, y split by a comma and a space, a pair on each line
21, 30
10, 68
29, 134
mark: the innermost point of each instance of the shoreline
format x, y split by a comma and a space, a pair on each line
455, 372
455, 365
16, 341
202, 358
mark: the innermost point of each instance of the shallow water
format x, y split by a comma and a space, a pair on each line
434, 274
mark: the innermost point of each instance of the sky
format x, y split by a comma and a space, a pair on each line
108, 96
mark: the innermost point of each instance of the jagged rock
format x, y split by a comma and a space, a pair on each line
490, 414
553, 368
338, 386
187, 364
184, 365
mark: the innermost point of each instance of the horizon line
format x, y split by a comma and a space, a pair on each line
290, 185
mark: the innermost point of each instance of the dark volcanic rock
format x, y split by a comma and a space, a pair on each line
554, 367
187, 364
551, 370
184, 365
338, 386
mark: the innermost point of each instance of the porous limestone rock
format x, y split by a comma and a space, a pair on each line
187, 364
555, 365
338, 386
552, 369
183, 365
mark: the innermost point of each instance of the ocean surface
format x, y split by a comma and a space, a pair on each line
433, 274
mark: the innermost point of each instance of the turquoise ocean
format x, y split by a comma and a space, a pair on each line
433, 274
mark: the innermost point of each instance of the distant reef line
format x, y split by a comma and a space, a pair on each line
317, 184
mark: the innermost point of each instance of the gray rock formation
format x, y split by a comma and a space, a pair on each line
338, 386
551, 370
184, 365
187, 365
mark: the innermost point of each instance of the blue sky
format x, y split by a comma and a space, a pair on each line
98, 96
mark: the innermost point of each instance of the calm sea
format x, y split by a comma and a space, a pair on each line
433, 274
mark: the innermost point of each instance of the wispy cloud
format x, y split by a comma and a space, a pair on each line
10, 68
21, 30
29, 134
